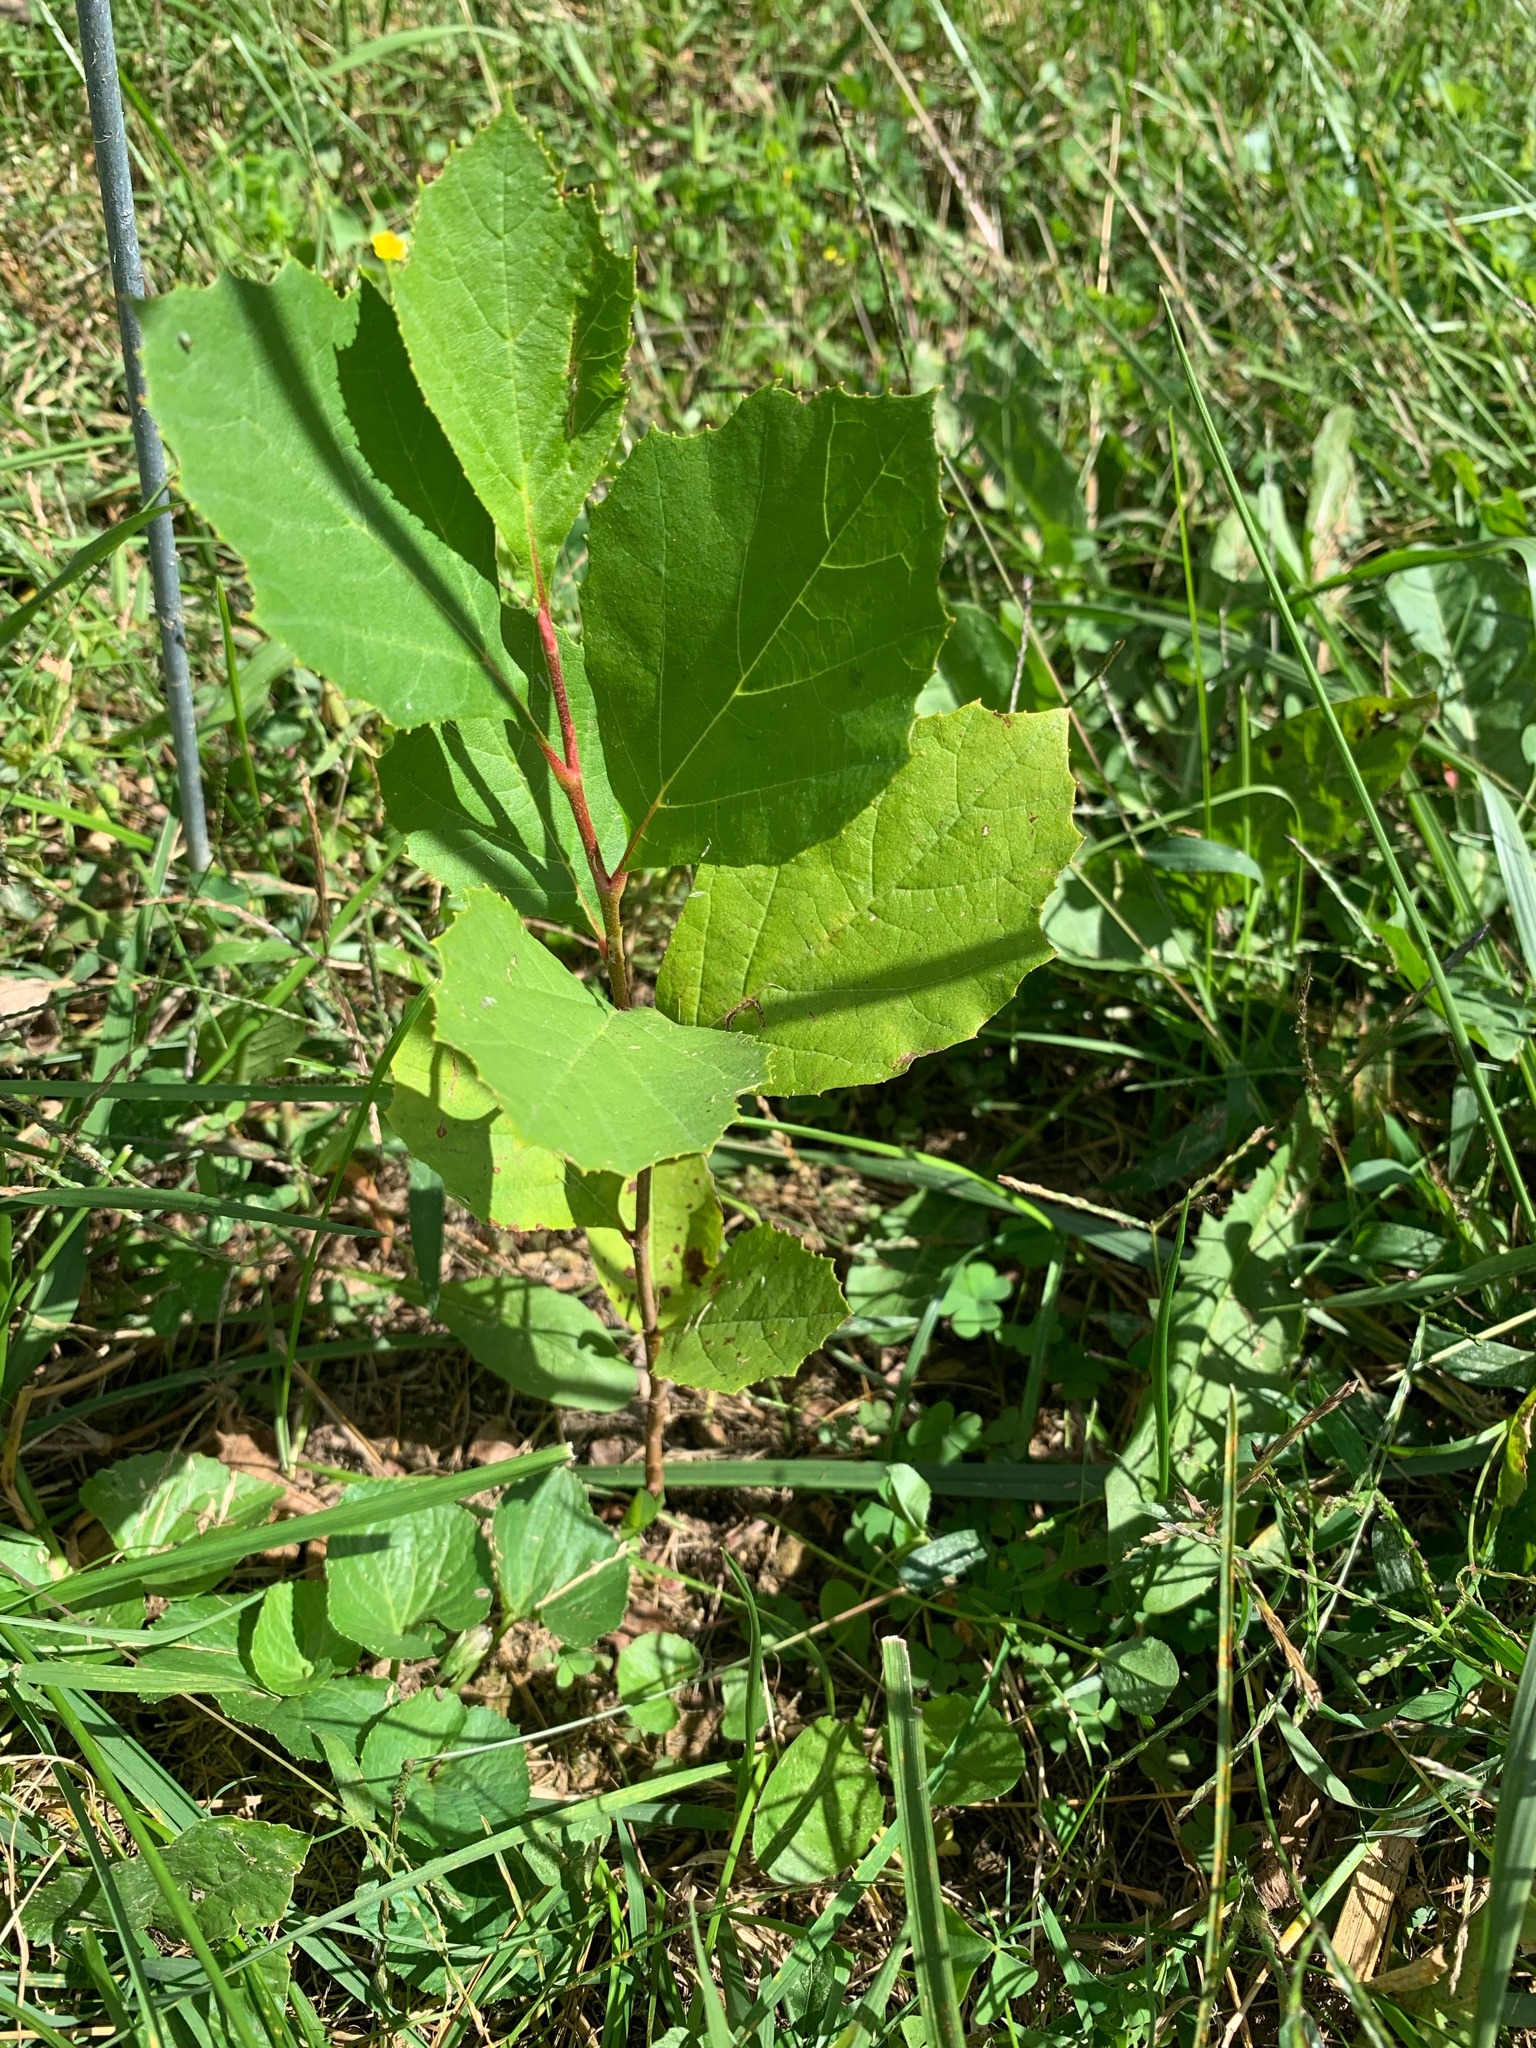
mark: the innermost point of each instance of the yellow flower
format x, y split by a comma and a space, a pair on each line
389, 247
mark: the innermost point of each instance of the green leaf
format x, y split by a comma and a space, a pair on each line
335, 1714
478, 804
1313, 1764
974, 1298
761, 1312
686, 1234
988, 1763
979, 662
590, 1607
454, 1772
157, 1501
304, 440
1514, 1857
608, 1089
384, 1582
761, 611
516, 314
820, 1808
1184, 855
445, 1116
1471, 621
1299, 757
1113, 919
650, 1666
293, 1647
927, 1920
1515, 866
998, 400
542, 1342
556, 1559
1140, 1673
237, 1874
1236, 1323
906, 931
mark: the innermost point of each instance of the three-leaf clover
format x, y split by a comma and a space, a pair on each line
974, 1297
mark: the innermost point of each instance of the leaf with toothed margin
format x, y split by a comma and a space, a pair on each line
447, 1118
516, 314
757, 1316
383, 1583
610, 1090
303, 438
761, 611
902, 934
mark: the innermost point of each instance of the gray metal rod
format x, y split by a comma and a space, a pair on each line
98, 47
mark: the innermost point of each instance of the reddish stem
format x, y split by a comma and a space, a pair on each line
567, 772
610, 891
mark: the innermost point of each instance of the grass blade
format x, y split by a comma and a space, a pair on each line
920, 1856
1514, 858
15, 623
1032, 1479
1161, 1341
222, 1549
717, 2028
1514, 1860
1471, 1066
1223, 1793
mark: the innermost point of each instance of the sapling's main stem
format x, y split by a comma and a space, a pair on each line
645, 1292
565, 766
566, 769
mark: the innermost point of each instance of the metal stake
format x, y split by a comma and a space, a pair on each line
98, 47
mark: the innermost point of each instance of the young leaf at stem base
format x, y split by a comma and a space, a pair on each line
761, 1312
610, 1090
541, 1342
761, 611
686, 1230
441, 1111
906, 931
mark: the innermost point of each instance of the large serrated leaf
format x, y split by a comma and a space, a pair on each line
382, 1583
447, 1118
541, 1342
478, 804
761, 1312
516, 313
303, 438
906, 931
156, 1501
761, 611
610, 1090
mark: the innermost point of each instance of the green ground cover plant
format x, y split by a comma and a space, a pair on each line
796, 1309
